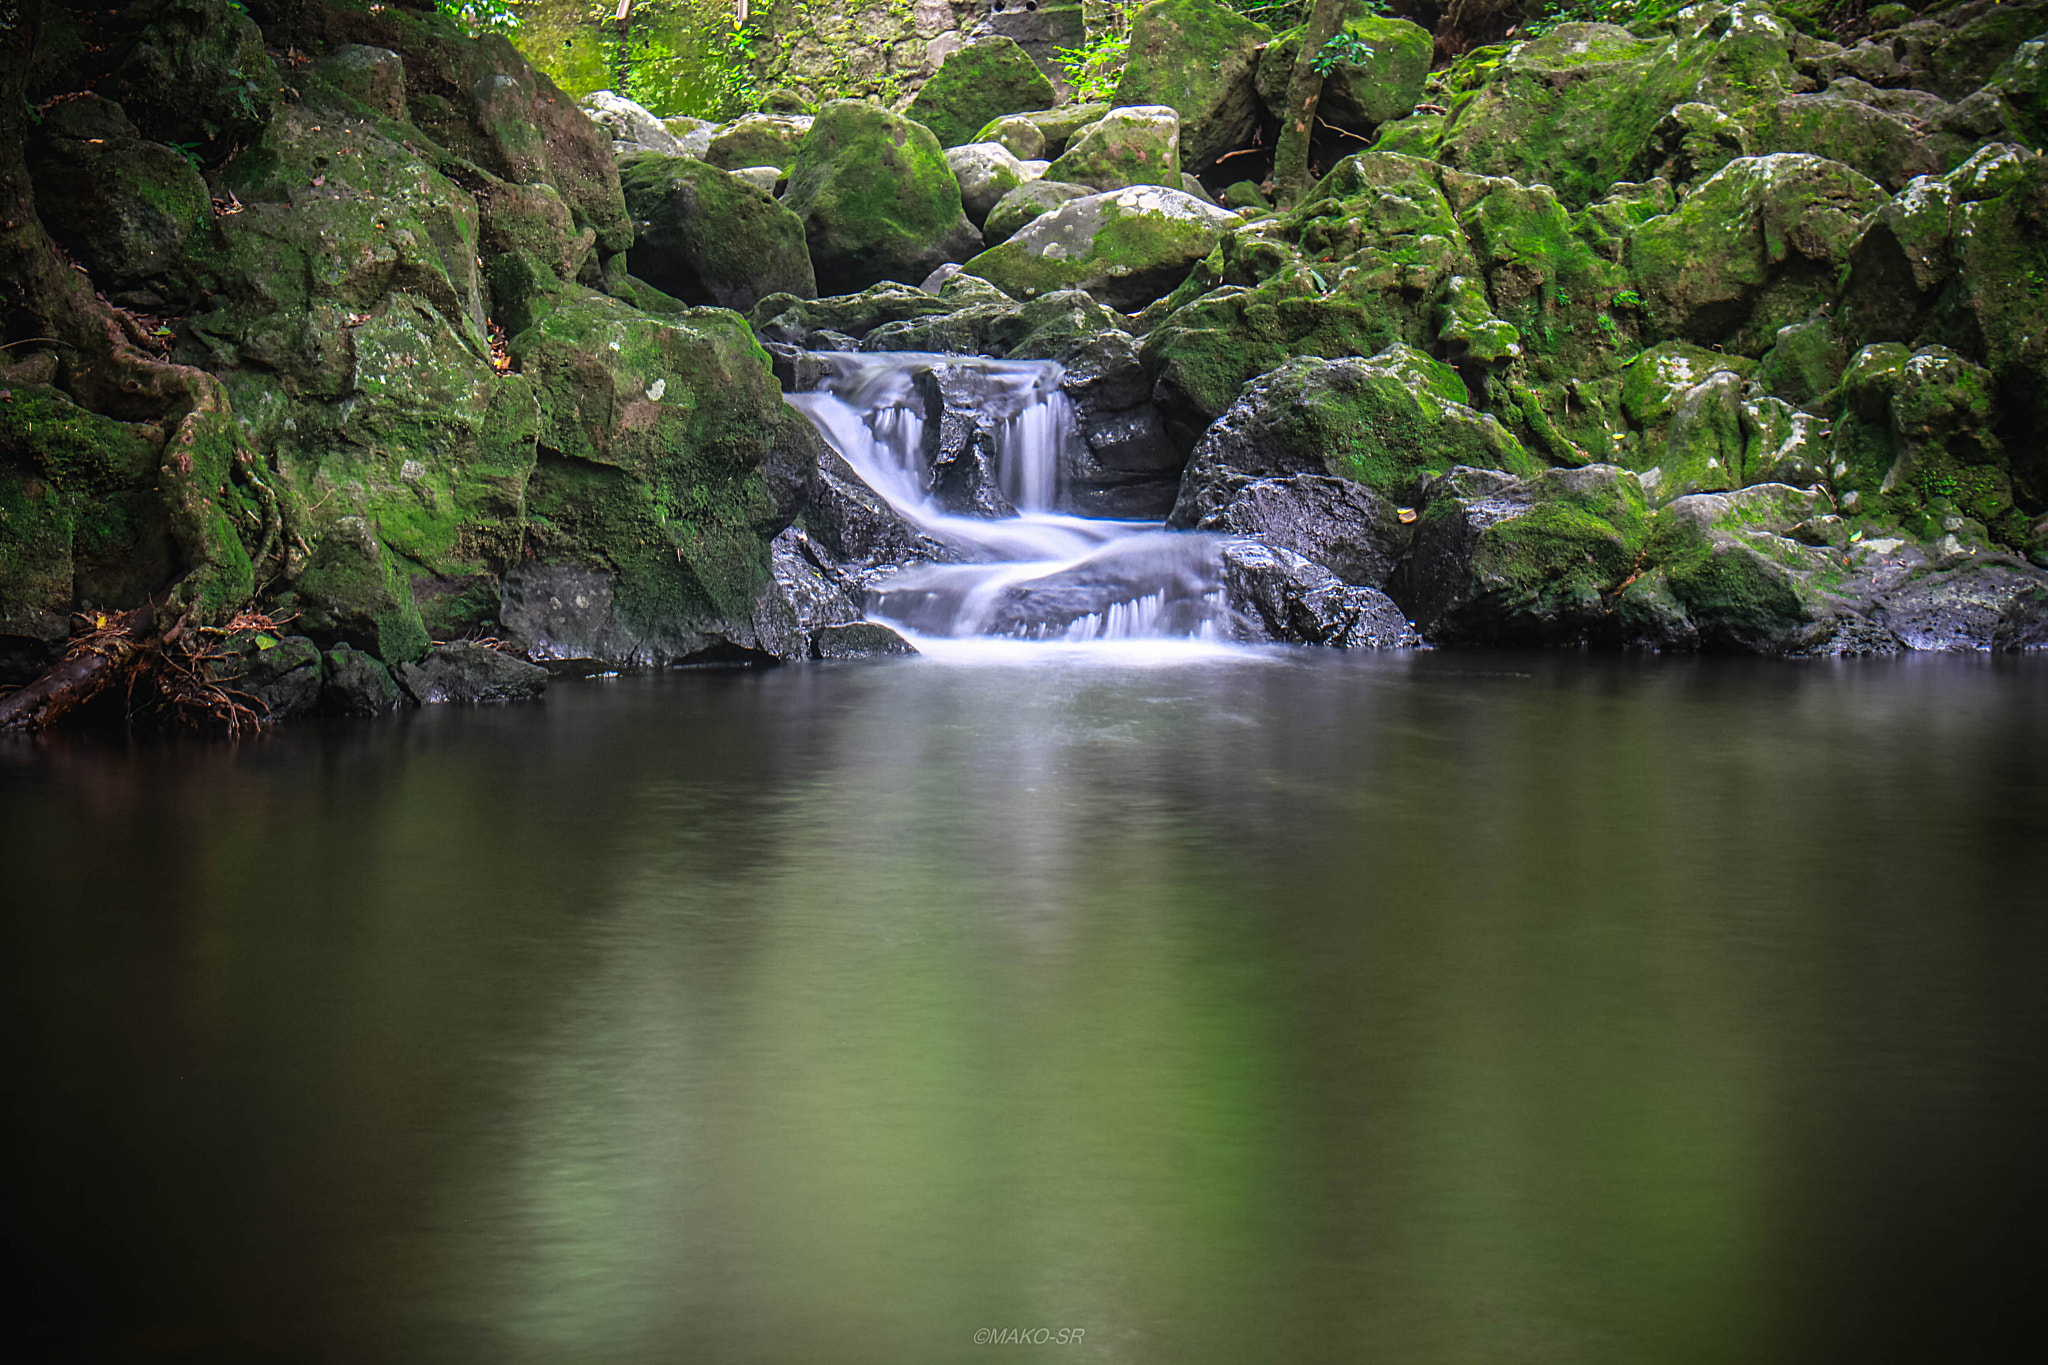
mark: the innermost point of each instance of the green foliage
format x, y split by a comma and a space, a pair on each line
1094, 68
482, 16
1342, 49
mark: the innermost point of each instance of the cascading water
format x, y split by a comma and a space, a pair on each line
935, 433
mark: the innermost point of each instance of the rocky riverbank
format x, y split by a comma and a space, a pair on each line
1704, 333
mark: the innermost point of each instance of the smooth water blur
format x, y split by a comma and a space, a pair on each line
1228, 1007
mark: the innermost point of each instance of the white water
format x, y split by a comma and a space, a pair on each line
1040, 575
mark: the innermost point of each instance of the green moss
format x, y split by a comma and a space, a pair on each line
976, 84
877, 199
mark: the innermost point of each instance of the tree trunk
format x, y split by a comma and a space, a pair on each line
1304, 92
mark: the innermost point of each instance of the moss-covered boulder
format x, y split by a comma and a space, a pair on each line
1534, 560
1387, 422
1962, 262
1138, 145
1692, 142
1200, 58
759, 140
197, 73
1756, 247
986, 172
1029, 200
987, 79
1126, 247
1577, 107
877, 199
1889, 150
1044, 133
1369, 259
668, 462
707, 237
1730, 571
372, 76
1358, 96
128, 209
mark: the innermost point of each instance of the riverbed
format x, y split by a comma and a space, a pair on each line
1215, 1004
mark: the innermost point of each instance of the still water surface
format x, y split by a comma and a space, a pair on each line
1421, 1008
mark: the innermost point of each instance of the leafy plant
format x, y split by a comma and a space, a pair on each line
1341, 50
1094, 68
482, 16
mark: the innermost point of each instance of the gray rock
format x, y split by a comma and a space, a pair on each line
283, 680
858, 640
630, 125
468, 672
358, 684
1986, 602
986, 172
762, 178
1280, 597
1027, 201
692, 135
1345, 527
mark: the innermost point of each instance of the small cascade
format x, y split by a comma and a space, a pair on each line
971, 451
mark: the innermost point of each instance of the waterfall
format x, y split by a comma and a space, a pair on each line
972, 452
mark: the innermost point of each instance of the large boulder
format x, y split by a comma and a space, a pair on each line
1890, 149
1029, 200
1501, 560
986, 172
707, 237
1388, 423
1126, 247
196, 73
1127, 146
668, 462
1575, 107
758, 140
1755, 248
128, 209
1198, 57
987, 79
1349, 528
1358, 96
464, 671
633, 130
877, 199
1277, 596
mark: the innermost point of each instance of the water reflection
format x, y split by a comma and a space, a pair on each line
1297, 1007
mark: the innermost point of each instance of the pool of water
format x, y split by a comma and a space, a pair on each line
1218, 1006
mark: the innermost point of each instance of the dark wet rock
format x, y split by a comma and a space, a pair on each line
1166, 582
858, 640
707, 237
282, 678
1387, 422
358, 684
854, 532
1281, 597
466, 672
961, 441
1344, 526
1985, 602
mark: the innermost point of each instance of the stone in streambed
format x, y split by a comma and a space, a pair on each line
877, 199
358, 684
465, 672
1280, 597
1131, 146
706, 237
1127, 247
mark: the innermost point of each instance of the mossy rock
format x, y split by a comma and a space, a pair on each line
1200, 58
1756, 247
1387, 422
1535, 560
985, 80
1357, 96
197, 73
1030, 200
877, 199
1916, 429
1126, 247
706, 237
668, 459
759, 140
1577, 107
1889, 150
1044, 132
1137, 145
128, 209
